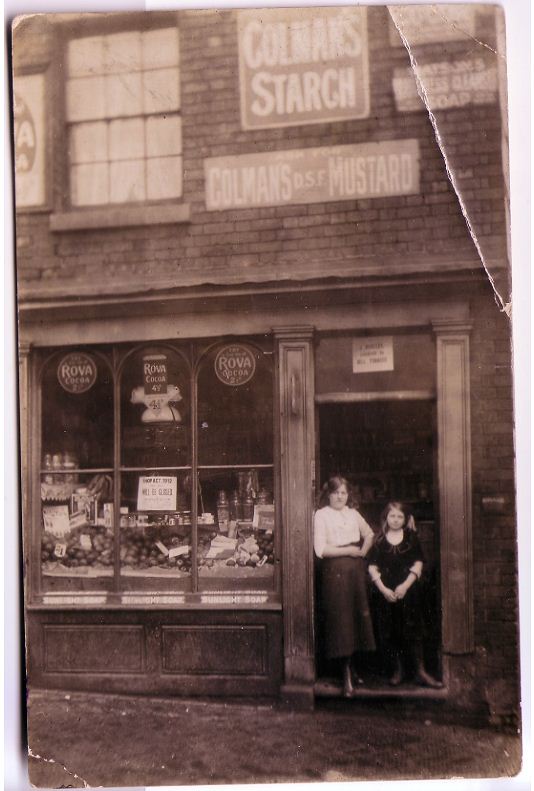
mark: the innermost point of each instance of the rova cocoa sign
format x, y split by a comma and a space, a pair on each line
76, 372
235, 364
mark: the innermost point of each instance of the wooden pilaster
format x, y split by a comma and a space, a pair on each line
297, 437
454, 460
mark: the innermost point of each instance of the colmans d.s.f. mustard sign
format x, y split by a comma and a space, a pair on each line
235, 364
76, 372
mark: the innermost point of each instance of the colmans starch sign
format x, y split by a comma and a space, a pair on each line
302, 66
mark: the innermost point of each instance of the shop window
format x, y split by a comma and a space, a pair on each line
77, 473
157, 474
235, 463
122, 111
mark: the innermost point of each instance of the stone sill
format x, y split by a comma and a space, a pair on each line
119, 217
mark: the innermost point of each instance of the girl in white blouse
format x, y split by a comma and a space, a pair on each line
342, 539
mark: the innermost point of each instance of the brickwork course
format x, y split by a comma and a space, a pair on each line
422, 233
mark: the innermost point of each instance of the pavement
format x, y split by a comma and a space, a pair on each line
79, 739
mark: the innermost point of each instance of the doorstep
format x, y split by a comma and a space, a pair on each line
328, 688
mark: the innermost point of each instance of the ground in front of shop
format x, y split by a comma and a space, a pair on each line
113, 740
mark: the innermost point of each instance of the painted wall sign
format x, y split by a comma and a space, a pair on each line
467, 81
313, 175
29, 131
302, 66
76, 372
372, 354
235, 364
157, 493
429, 24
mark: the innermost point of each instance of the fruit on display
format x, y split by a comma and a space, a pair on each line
140, 550
95, 550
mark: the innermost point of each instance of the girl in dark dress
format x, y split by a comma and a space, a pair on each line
395, 566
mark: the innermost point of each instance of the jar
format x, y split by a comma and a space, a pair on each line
236, 512
248, 509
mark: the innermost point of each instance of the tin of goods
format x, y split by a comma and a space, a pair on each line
108, 514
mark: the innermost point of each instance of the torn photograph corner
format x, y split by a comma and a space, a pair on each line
265, 395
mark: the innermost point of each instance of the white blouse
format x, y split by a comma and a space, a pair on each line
338, 527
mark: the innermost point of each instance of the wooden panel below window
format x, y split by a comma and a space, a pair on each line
215, 650
94, 649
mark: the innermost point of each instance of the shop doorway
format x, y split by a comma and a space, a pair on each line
387, 449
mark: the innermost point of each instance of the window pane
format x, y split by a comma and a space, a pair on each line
89, 184
235, 419
127, 139
155, 531
236, 551
163, 135
161, 91
155, 410
160, 48
77, 545
122, 53
89, 142
164, 178
85, 56
127, 181
123, 95
86, 99
76, 472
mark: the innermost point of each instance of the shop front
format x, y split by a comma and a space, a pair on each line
174, 482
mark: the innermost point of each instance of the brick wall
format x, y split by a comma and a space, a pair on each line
276, 242
494, 535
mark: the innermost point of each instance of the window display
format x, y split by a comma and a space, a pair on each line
157, 470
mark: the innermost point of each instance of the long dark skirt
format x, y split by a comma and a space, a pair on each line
348, 625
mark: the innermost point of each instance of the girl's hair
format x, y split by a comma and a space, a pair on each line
331, 486
409, 522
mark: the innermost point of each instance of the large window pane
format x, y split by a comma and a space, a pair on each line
236, 530
76, 486
155, 410
155, 530
235, 406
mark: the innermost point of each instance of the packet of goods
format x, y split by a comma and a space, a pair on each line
221, 548
177, 551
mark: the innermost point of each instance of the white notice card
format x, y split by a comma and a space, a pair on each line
372, 354
157, 493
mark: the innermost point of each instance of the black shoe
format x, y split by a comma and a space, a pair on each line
424, 679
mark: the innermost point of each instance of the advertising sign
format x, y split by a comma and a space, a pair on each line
302, 66
157, 493
235, 364
372, 354
429, 24
313, 175
466, 81
29, 131
155, 373
56, 520
76, 372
